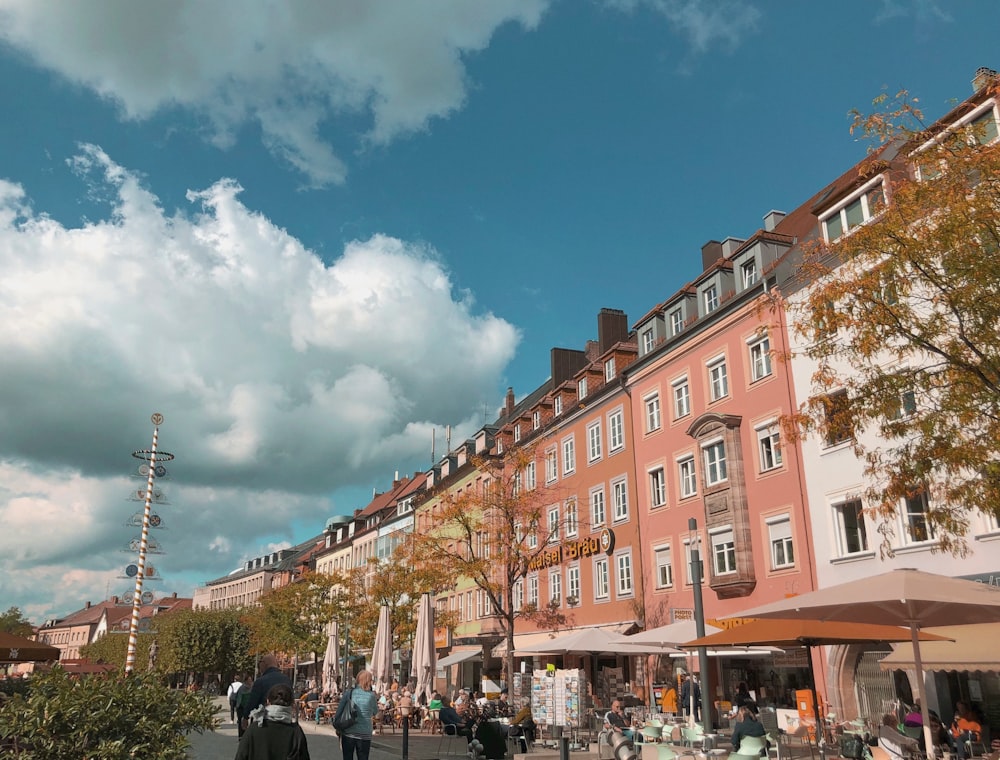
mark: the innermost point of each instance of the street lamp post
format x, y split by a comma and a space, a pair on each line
699, 624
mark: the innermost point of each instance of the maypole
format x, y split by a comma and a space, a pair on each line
151, 456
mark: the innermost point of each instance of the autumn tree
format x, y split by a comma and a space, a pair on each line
294, 618
202, 641
14, 621
902, 314
491, 533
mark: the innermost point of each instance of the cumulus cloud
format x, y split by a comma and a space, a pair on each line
288, 67
281, 378
703, 23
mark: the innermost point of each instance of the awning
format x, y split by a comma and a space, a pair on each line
463, 656
528, 640
974, 648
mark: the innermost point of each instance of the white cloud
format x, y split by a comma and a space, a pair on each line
703, 23
281, 378
289, 67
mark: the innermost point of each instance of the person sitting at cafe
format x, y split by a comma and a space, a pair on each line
746, 725
522, 725
616, 719
964, 727
743, 698
450, 717
503, 704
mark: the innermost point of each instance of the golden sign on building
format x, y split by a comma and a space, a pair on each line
570, 550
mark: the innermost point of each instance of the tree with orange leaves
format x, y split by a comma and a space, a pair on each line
902, 318
489, 532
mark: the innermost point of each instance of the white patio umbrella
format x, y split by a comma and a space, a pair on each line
331, 660
382, 651
424, 654
909, 598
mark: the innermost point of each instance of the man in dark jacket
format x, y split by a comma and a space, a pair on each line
269, 677
686, 687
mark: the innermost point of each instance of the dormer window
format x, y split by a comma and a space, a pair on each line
536, 420
647, 340
609, 370
854, 212
749, 273
711, 296
557, 407
676, 322
517, 432
984, 127
581, 388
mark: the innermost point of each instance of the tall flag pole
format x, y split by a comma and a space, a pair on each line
149, 455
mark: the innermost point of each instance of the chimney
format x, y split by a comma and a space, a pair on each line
612, 327
710, 253
731, 245
508, 406
87, 606
114, 600
592, 350
982, 78
772, 219
564, 363
173, 595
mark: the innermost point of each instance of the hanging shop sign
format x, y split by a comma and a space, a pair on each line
598, 543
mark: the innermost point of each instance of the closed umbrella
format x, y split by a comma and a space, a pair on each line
424, 654
382, 651
331, 660
906, 597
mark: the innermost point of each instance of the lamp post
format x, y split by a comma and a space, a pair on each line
699, 624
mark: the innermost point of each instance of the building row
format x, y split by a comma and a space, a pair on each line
663, 437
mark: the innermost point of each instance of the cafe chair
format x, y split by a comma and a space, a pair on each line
449, 731
751, 748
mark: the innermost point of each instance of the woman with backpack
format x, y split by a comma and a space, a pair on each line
272, 732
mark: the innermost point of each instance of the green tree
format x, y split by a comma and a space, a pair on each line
293, 619
901, 320
112, 648
101, 717
491, 535
201, 641
14, 621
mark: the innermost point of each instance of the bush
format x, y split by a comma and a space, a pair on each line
101, 717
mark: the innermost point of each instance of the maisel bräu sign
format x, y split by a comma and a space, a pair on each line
570, 550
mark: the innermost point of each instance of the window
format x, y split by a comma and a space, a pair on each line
601, 581
573, 584
553, 525
619, 492
529, 476
557, 406
536, 420
749, 273
664, 569
533, 590
760, 358
555, 587
723, 552
686, 477
518, 595
499, 445
689, 549
597, 508
581, 388
532, 537
517, 432
769, 446
657, 487
647, 340
616, 431
855, 212
907, 405
518, 483
984, 127
838, 424
852, 536
676, 322
718, 379
652, 405
572, 518
682, 398
917, 528
711, 296
609, 370
779, 530
594, 441
551, 466
715, 463
623, 562
569, 455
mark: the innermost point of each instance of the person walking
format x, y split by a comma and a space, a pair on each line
269, 677
231, 693
272, 731
356, 741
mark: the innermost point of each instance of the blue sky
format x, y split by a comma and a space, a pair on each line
309, 238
